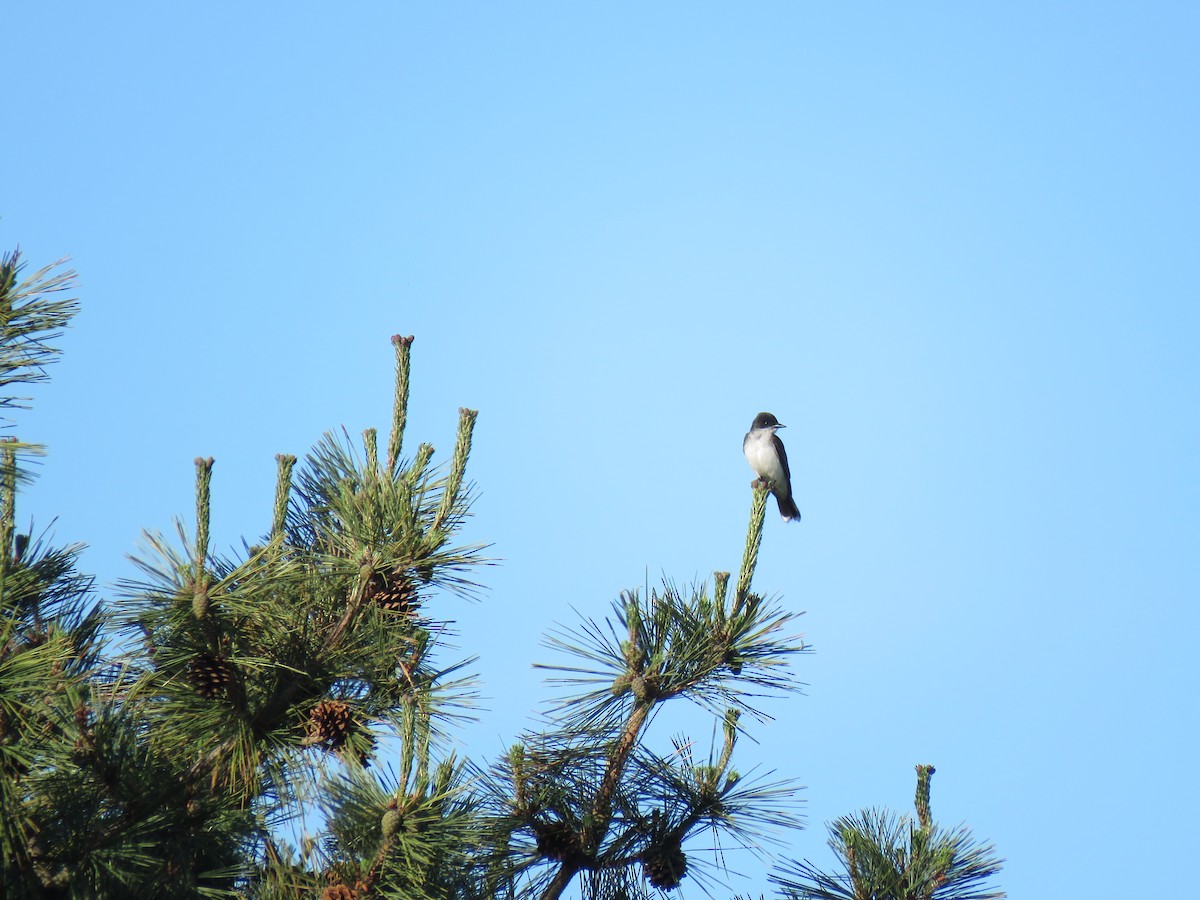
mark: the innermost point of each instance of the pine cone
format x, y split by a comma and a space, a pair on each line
330, 722
210, 673
391, 822
664, 865
556, 840
733, 659
394, 591
338, 892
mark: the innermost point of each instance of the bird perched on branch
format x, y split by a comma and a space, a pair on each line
764, 451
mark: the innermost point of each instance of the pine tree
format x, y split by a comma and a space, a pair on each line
303, 683
174, 742
587, 799
890, 857
236, 696
271, 678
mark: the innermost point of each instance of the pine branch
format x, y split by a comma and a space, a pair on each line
458, 467
758, 510
591, 796
283, 487
30, 318
888, 857
403, 347
200, 596
8, 502
924, 816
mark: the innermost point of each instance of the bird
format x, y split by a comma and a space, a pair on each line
764, 451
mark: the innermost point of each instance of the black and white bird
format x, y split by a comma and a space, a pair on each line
764, 451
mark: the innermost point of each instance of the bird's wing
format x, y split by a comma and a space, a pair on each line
787, 473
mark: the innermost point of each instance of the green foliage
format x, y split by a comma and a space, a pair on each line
889, 857
250, 693
303, 685
31, 318
585, 797
263, 671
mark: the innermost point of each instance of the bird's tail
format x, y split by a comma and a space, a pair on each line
787, 508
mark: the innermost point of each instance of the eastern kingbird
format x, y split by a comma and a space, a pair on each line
764, 451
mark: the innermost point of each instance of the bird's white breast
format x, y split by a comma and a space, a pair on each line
762, 457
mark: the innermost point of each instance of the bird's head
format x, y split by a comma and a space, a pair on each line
766, 420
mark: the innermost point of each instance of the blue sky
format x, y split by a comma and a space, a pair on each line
952, 246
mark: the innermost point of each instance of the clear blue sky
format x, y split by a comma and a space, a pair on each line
953, 246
